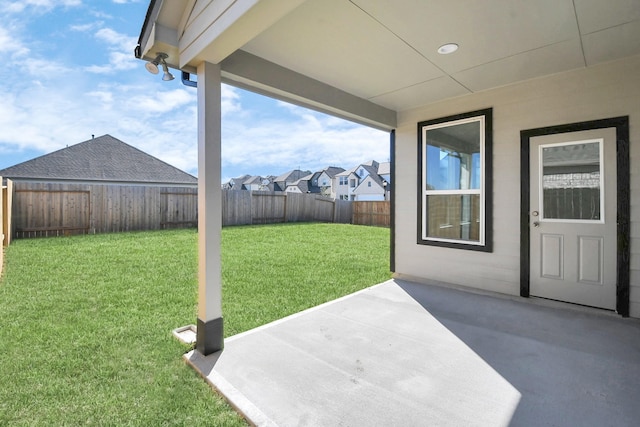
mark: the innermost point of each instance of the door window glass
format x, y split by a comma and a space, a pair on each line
572, 181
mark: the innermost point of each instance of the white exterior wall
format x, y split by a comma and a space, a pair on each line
340, 190
364, 193
330, 182
599, 92
324, 178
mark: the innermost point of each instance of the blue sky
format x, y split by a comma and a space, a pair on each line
69, 72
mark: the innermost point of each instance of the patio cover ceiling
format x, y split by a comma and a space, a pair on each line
365, 60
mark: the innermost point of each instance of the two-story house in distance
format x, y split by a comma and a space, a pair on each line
363, 182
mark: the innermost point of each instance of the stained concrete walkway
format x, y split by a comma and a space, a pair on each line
404, 354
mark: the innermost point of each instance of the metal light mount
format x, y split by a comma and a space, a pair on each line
152, 66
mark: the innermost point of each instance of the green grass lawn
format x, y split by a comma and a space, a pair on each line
85, 322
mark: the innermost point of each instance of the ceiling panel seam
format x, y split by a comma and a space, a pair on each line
410, 47
517, 54
575, 13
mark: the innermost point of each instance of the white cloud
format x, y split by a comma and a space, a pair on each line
87, 27
10, 44
230, 100
115, 39
120, 48
45, 68
103, 96
38, 6
312, 142
51, 103
161, 102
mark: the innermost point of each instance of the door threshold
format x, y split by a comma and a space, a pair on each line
553, 303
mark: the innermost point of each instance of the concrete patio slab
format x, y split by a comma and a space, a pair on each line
402, 353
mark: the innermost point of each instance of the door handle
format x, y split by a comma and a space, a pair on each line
536, 224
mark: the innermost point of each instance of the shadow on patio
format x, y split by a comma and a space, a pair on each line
401, 353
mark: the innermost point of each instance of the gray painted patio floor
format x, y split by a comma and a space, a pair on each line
406, 354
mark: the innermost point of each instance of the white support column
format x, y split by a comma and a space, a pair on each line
210, 337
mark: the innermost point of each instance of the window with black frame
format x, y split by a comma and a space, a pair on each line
455, 185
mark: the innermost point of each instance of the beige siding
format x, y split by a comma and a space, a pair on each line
604, 91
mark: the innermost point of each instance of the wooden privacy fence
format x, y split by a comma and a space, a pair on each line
2, 228
58, 209
6, 203
54, 209
256, 207
572, 203
376, 213
6, 192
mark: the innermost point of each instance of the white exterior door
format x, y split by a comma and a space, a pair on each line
573, 217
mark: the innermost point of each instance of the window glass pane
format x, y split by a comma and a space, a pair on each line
571, 181
453, 157
454, 217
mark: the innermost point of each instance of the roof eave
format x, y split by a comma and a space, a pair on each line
145, 31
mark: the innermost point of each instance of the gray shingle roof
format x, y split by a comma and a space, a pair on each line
384, 168
255, 179
332, 171
292, 175
104, 158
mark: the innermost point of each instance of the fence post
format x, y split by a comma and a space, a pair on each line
286, 199
333, 217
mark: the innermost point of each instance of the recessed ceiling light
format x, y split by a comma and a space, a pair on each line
448, 48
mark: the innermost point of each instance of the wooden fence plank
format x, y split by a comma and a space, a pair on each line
7, 210
2, 223
179, 208
44, 209
374, 213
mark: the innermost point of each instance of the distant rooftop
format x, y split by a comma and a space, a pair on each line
104, 158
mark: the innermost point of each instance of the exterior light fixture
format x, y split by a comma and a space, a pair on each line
167, 75
152, 66
448, 48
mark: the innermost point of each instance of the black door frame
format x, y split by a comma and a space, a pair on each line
623, 206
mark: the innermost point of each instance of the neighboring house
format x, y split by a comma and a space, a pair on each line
281, 182
99, 185
306, 184
470, 129
236, 183
371, 188
349, 186
320, 182
325, 180
300, 186
254, 183
384, 171
267, 183
104, 159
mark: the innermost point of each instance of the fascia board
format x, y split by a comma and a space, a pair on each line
250, 72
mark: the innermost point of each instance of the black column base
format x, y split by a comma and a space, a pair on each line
210, 336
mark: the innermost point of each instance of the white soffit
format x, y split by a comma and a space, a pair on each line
596, 15
421, 94
612, 43
335, 42
386, 50
552, 59
486, 31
